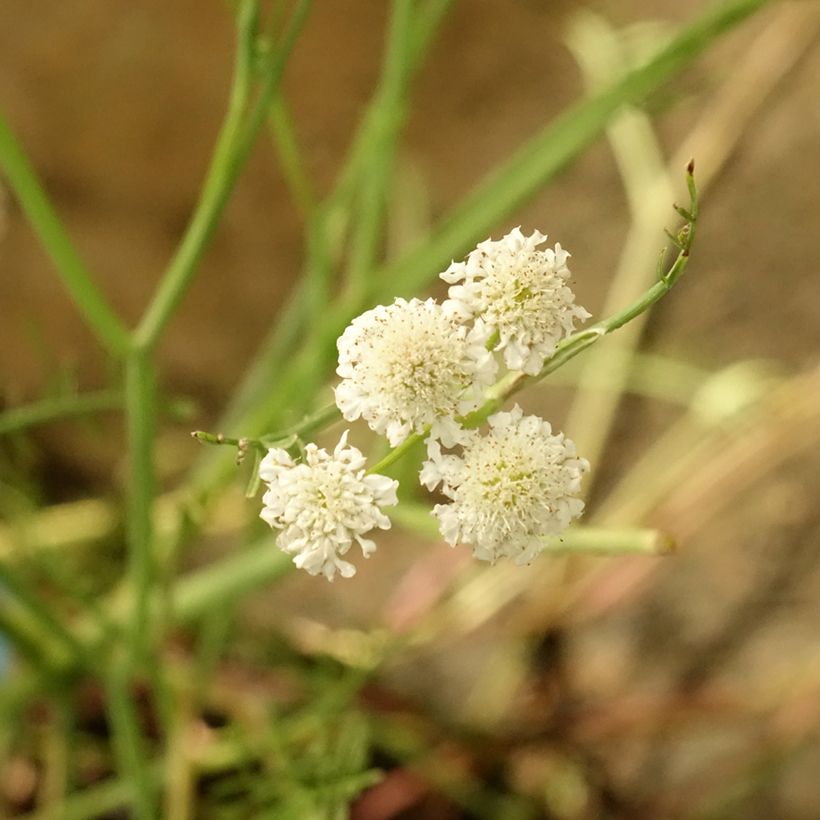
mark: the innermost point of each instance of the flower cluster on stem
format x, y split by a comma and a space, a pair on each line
420, 368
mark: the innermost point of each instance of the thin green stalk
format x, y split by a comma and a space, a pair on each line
236, 139
227, 581
128, 742
390, 111
140, 400
224, 169
16, 419
648, 187
398, 452
291, 160
309, 424
30, 641
100, 316
429, 18
16, 586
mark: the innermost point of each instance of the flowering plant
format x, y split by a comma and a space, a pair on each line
423, 371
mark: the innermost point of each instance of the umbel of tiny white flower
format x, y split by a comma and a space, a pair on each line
517, 295
409, 365
323, 505
509, 489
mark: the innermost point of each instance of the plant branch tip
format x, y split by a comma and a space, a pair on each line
690, 167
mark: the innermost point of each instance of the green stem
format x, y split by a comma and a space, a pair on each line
38, 611
140, 401
390, 103
228, 581
32, 641
236, 139
318, 420
100, 316
219, 182
128, 742
47, 410
291, 160
399, 451
429, 18
218, 439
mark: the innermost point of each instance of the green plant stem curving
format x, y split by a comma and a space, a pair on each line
99, 315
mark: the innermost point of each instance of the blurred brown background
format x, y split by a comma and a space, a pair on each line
676, 676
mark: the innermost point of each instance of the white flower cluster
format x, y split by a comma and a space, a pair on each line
323, 505
509, 489
518, 296
419, 367
410, 366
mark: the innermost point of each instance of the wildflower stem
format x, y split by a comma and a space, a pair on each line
98, 314
318, 420
398, 452
235, 141
219, 182
140, 398
578, 342
390, 108
38, 612
128, 740
291, 160
218, 438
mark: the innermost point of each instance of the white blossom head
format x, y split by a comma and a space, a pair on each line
323, 505
509, 489
409, 365
517, 295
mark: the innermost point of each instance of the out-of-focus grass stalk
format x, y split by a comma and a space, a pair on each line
649, 192
391, 99
56, 408
291, 160
140, 402
180, 774
127, 737
235, 141
57, 756
92, 304
17, 588
34, 643
59, 527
